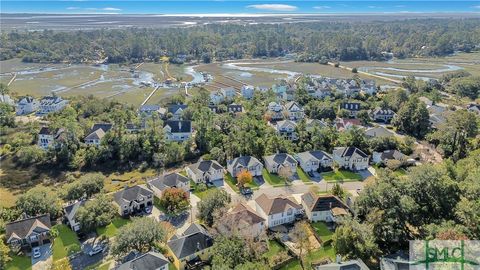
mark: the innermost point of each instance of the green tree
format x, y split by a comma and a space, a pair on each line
29, 155
4, 254
86, 186
413, 118
355, 240
97, 212
229, 251
175, 201
39, 200
213, 201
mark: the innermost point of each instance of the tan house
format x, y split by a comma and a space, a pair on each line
28, 232
243, 218
277, 210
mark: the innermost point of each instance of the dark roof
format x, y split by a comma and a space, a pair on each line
98, 134
349, 151
173, 108
168, 180
194, 239
380, 111
235, 108
281, 158
391, 154
148, 261
351, 106
22, 228
44, 131
129, 194
104, 126
396, 261
322, 203
149, 108
244, 214
275, 205
244, 161
205, 166
319, 155
348, 265
71, 210
179, 126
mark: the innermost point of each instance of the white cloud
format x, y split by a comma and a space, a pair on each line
476, 7
322, 7
372, 6
400, 6
274, 7
72, 8
104, 9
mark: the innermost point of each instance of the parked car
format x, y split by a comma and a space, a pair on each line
246, 191
36, 252
95, 250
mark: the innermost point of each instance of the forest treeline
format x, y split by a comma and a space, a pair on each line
310, 41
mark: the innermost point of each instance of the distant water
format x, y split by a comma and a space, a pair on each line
234, 7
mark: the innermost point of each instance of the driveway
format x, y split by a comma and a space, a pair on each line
365, 173
44, 262
83, 260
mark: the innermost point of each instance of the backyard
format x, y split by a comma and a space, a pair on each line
322, 231
111, 229
341, 176
65, 244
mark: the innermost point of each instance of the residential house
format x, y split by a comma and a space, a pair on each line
131, 200
216, 97
47, 138
166, 181
357, 264
27, 105
286, 128
4, 98
352, 107
313, 161
280, 89
28, 232
244, 220
327, 208
342, 124
228, 93
49, 104
205, 171
248, 163
235, 108
310, 124
289, 95
247, 91
383, 157
378, 132
191, 246
97, 132
148, 261
368, 87
350, 158
176, 110
277, 210
177, 130
275, 163
294, 111
149, 110
70, 212
134, 128
475, 108
382, 115
399, 260
275, 111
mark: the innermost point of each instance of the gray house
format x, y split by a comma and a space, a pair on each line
171, 180
131, 200
350, 158
205, 171
249, 163
70, 212
29, 232
275, 163
314, 160
148, 261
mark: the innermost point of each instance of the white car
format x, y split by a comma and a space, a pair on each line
95, 250
36, 252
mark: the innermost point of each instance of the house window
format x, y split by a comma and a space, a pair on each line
34, 238
289, 212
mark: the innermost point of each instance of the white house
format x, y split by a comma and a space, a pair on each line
216, 97
97, 132
327, 208
248, 163
205, 171
131, 200
312, 161
177, 110
177, 130
149, 110
49, 104
368, 87
278, 210
27, 105
47, 138
382, 115
4, 98
275, 163
171, 180
475, 108
350, 158
275, 111
228, 93
247, 91
294, 111
70, 212
286, 128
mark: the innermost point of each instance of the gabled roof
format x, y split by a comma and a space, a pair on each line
44, 131
173, 108
71, 210
349, 151
49, 100
351, 106
285, 124
292, 104
317, 155
243, 213
322, 203
168, 180
312, 122
151, 108
20, 229
392, 154
235, 107
104, 126
379, 132
95, 135
396, 261
26, 100
129, 194
244, 161
182, 126
148, 261
281, 158
205, 166
193, 240
276, 205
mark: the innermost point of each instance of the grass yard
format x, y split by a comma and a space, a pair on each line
66, 243
19, 263
313, 256
273, 179
111, 229
303, 176
322, 230
232, 182
99, 266
198, 193
273, 248
341, 175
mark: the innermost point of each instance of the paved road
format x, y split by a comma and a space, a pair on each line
45, 260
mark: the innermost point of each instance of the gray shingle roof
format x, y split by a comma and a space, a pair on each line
168, 180
347, 265
179, 126
148, 261
244, 161
129, 194
194, 239
175, 107
22, 228
348, 151
318, 155
281, 158
71, 210
276, 205
205, 166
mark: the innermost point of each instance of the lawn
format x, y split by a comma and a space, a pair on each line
322, 231
66, 243
313, 256
232, 182
274, 248
99, 266
341, 175
273, 179
198, 193
111, 229
303, 176
19, 263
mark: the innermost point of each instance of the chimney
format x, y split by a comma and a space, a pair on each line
198, 246
338, 259
180, 125
330, 205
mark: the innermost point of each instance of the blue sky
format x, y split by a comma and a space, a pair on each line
232, 6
